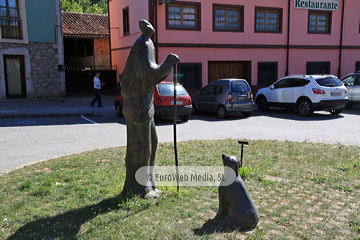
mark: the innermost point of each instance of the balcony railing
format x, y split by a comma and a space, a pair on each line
90, 67
10, 29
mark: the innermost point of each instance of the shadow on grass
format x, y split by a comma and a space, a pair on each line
217, 225
68, 224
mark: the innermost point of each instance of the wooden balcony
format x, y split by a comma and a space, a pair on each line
10, 29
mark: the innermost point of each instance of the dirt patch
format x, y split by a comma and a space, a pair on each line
276, 179
43, 170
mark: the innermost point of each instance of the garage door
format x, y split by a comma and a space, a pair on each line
229, 69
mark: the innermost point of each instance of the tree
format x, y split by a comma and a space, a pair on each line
103, 4
85, 6
70, 6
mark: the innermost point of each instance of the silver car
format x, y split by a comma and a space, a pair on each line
352, 83
224, 96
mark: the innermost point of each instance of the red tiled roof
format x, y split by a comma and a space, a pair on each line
85, 24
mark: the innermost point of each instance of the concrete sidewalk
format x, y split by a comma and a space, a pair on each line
56, 107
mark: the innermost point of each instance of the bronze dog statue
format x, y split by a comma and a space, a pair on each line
234, 199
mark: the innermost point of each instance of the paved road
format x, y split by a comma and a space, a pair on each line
28, 140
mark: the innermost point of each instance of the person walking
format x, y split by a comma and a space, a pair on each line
97, 88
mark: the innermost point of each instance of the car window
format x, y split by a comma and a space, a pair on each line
239, 86
298, 82
329, 82
349, 80
283, 83
357, 80
208, 90
168, 90
218, 90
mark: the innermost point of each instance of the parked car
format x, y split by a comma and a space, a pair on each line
352, 83
306, 93
164, 101
225, 96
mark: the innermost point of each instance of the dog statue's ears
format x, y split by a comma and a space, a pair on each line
224, 157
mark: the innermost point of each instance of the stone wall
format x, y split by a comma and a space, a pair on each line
44, 65
43, 79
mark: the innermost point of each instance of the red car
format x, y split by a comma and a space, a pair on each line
164, 101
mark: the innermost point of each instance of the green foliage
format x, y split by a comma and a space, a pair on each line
26, 186
357, 164
70, 6
134, 204
318, 179
262, 178
355, 225
245, 172
344, 188
342, 168
85, 6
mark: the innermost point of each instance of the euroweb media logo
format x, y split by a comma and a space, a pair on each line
185, 175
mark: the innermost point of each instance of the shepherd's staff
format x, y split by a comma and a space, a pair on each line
174, 123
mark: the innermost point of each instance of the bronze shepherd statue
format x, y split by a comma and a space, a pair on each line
138, 80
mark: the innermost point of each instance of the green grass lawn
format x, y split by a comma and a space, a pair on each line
303, 191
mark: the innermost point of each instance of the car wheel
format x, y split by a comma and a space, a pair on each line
305, 107
335, 112
119, 110
222, 112
246, 114
262, 104
194, 109
185, 118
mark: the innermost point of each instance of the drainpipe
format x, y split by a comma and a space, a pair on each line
60, 42
288, 41
118, 88
109, 35
341, 37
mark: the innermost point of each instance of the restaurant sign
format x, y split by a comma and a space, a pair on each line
329, 5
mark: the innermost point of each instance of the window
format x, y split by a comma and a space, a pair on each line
329, 82
357, 66
85, 47
191, 73
283, 83
9, 20
228, 18
218, 90
357, 81
126, 25
268, 20
168, 90
319, 22
239, 86
208, 90
318, 68
298, 82
75, 47
183, 16
267, 73
349, 81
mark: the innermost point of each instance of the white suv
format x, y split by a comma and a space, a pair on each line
305, 93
